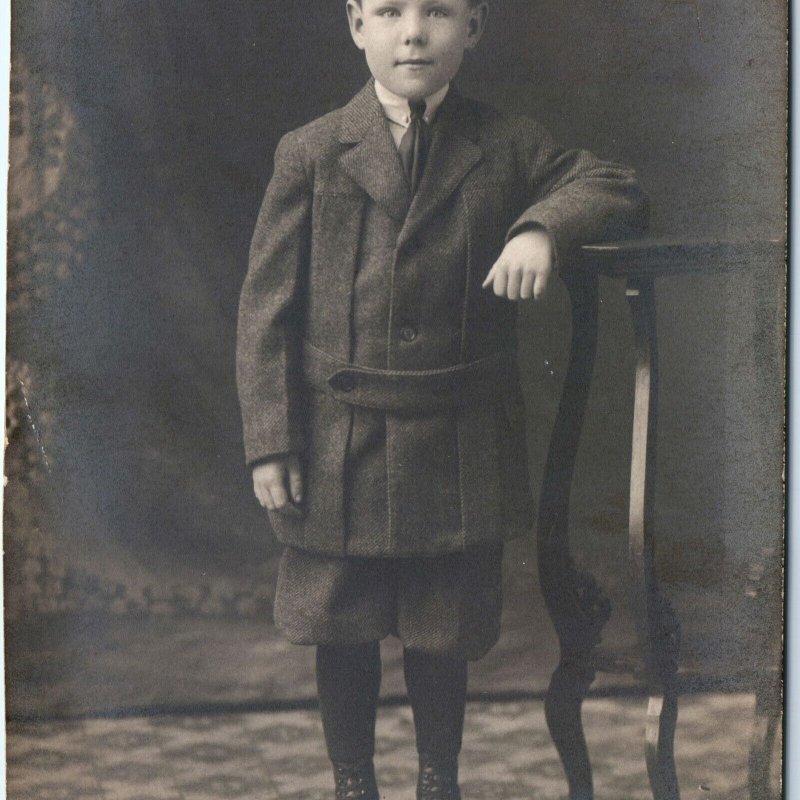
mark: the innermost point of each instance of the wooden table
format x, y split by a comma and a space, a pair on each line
578, 607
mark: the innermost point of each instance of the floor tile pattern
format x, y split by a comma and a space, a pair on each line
507, 754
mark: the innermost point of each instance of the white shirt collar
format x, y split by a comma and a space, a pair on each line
396, 107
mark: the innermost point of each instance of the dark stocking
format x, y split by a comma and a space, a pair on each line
437, 689
348, 682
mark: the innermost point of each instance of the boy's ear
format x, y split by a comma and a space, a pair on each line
355, 16
477, 23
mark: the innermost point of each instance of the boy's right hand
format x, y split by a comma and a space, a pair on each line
278, 484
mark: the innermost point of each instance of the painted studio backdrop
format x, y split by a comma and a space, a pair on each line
139, 568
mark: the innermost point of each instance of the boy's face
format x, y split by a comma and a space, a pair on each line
415, 47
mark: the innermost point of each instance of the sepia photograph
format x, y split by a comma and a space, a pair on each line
396, 400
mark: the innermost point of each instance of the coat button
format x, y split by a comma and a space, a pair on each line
408, 333
342, 382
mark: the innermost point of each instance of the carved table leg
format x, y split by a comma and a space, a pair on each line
575, 603
657, 628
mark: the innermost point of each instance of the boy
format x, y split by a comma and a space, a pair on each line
382, 413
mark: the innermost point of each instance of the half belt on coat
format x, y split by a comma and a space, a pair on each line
407, 391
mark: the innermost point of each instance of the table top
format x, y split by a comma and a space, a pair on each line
665, 257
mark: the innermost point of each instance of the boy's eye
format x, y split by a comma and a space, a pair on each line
388, 12
437, 12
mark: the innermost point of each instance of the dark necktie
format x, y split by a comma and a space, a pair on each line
413, 146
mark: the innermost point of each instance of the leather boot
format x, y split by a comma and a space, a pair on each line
355, 781
438, 780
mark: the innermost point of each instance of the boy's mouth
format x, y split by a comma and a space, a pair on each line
415, 62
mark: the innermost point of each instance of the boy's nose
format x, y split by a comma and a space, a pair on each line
415, 31
415, 38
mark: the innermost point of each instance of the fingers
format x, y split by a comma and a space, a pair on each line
526, 286
261, 495
295, 479
278, 496
498, 275
259, 489
516, 282
273, 481
524, 266
270, 493
540, 284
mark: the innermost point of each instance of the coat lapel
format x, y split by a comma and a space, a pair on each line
373, 162
452, 155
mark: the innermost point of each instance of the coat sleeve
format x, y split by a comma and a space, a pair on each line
578, 198
270, 311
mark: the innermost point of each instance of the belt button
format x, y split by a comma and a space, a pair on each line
408, 333
343, 382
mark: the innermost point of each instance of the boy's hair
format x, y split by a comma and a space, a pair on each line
471, 2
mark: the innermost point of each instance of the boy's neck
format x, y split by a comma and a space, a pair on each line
397, 109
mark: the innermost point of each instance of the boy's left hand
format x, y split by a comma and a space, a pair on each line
524, 267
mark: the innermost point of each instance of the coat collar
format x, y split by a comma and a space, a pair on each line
373, 162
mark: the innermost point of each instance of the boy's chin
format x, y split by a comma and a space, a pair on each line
416, 91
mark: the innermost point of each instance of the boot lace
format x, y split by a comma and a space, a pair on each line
355, 781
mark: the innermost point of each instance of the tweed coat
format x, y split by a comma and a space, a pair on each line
366, 343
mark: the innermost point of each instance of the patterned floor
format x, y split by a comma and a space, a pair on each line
278, 756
